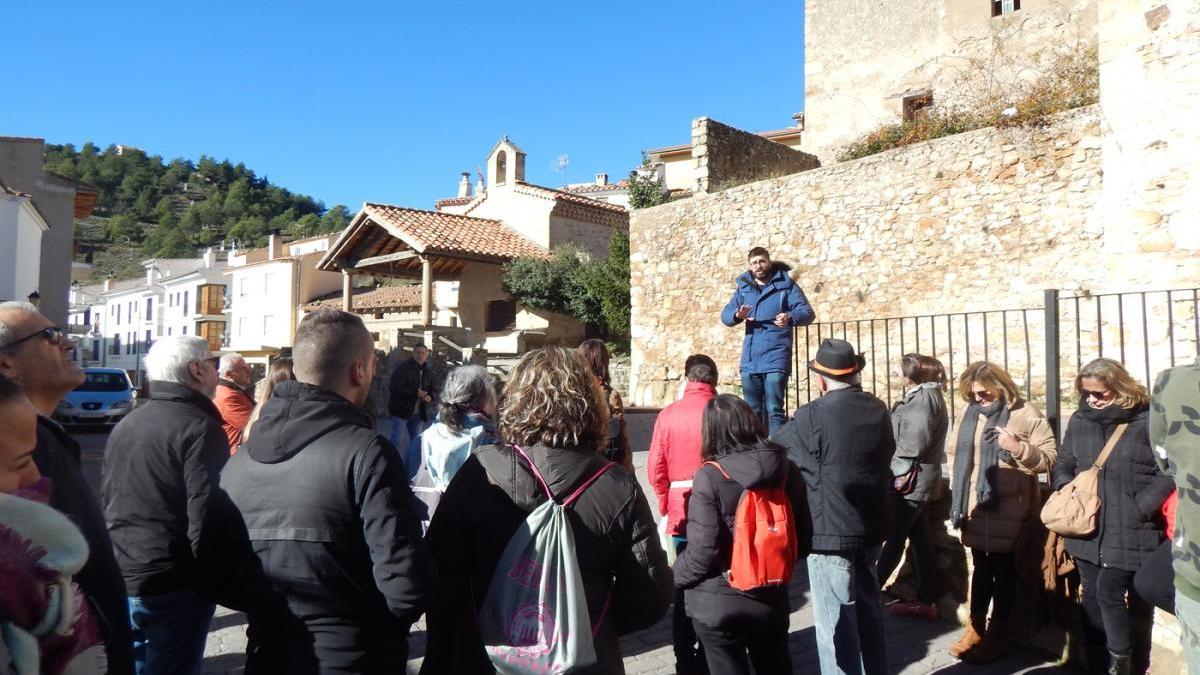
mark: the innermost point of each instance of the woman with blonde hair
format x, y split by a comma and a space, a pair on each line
1129, 527
1001, 442
552, 424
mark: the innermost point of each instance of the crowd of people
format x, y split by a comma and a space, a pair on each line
513, 519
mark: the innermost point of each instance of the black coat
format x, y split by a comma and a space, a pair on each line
406, 379
615, 538
161, 468
843, 444
329, 514
711, 512
1132, 489
57, 457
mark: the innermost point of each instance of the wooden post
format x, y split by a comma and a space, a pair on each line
347, 290
426, 290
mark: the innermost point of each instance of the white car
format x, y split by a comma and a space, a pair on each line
105, 397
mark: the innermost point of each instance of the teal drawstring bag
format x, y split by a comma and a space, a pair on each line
534, 618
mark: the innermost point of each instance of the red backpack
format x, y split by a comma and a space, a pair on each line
765, 547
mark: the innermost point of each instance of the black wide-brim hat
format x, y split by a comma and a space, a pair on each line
836, 359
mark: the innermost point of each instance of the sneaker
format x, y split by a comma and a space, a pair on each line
914, 609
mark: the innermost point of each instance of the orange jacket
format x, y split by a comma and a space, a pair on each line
235, 406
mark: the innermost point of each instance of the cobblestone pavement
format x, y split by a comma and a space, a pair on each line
915, 647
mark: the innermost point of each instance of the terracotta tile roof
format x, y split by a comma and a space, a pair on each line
446, 233
452, 201
592, 187
372, 299
567, 197
4, 189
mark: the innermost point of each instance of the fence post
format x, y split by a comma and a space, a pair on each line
1053, 412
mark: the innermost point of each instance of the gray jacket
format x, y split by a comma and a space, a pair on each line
919, 422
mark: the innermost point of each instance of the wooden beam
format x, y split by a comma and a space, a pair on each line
426, 290
384, 259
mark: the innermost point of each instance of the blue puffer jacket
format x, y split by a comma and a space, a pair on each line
767, 348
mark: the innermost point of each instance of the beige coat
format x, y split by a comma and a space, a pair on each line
997, 530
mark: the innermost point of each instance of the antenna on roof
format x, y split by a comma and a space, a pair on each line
560, 165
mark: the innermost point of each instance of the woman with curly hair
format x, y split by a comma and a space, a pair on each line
1129, 527
553, 412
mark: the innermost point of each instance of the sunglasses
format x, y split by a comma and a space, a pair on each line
52, 334
1098, 395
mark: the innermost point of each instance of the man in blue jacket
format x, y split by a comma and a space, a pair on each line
769, 303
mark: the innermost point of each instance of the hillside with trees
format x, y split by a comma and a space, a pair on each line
151, 207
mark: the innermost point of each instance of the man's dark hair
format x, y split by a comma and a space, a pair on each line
9, 390
756, 251
327, 342
700, 368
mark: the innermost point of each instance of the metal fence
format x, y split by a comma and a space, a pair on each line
1041, 347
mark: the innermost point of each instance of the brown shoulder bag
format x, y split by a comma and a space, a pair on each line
1072, 510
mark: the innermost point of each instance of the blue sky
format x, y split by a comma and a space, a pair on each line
389, 101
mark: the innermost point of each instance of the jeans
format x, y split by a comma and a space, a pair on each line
1107, 621
849, 621
909, 524
993, 584
416, 424
769, 386
169, 632
1187, 611
689, 658
731, 651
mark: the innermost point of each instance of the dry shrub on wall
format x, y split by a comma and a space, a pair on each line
1070, 80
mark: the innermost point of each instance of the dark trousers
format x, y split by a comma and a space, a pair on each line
1155, 579
993, 583
733, 649
909, 524
1108, 620
689, 654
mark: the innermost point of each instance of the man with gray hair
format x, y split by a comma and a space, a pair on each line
37, 354
161, 469
233, 399
329, 514
843, 444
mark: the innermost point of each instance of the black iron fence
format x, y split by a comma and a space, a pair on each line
1041, 347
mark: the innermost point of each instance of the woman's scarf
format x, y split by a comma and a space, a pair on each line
47, 625
996, 415
1103, 421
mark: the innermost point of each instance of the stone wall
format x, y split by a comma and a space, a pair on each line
726, 157
861, 59
980, 220
1150, 95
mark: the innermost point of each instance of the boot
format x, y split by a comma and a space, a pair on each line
970, 640
1118, 665
996, 642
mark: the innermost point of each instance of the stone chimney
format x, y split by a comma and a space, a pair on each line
601, 179
464, 184
208, 258
479, 185
151, 273
108, 282
274, 244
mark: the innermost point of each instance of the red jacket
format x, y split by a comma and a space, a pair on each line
675, 452
235, 406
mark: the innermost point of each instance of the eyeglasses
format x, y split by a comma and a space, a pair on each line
52, 334
1098, 395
